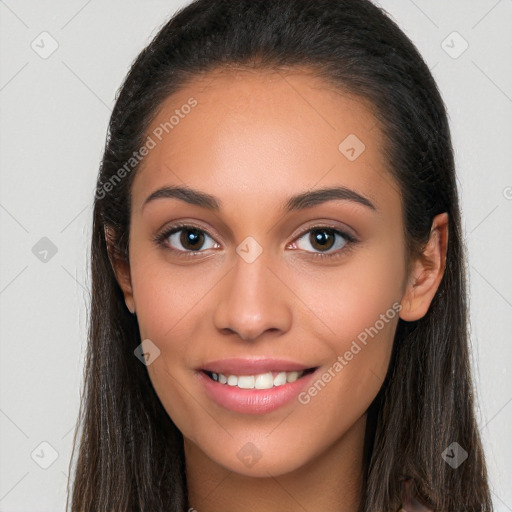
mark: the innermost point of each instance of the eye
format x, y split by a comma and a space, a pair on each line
188, 237
324, 239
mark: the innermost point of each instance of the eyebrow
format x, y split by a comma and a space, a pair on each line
294, 203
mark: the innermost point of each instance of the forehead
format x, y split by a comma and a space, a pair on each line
256, 137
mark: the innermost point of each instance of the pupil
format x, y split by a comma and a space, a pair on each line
320, 238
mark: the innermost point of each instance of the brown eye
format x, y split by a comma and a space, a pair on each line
188, 239
323, 239
191, 239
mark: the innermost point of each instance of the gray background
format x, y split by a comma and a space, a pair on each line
55, 112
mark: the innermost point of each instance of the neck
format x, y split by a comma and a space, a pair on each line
331, 482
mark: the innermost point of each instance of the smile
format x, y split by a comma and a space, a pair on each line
258, 381
257, 393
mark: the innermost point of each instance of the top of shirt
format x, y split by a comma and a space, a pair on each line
411, 501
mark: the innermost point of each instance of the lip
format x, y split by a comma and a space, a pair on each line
253, 401
254, 366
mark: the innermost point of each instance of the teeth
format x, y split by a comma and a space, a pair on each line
259, 381
280, 379
264, 381
246, 382
292, 376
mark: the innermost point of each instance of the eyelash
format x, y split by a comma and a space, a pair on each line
161, 240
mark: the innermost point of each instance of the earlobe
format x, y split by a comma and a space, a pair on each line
121, 270
427, 272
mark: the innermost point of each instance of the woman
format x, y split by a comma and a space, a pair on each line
278, 315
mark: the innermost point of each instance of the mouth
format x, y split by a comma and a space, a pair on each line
255, 387
267, 380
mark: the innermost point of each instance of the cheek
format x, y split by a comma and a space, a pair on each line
168, 301
349, 299
359, 308
356, 310
166, 296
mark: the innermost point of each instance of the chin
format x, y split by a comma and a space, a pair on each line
251, 461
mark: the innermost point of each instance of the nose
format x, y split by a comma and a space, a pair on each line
253, 300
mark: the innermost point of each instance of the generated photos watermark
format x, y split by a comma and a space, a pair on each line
343, 359
151, 142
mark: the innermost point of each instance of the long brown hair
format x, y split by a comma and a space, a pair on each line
130, 453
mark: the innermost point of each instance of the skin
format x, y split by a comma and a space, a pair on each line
254, 139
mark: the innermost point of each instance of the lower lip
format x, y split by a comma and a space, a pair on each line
253, 401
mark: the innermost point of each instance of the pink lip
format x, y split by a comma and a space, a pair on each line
244, 366
255, 401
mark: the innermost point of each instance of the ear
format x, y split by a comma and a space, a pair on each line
426, 272
121, 268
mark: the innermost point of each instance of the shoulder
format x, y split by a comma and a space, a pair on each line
410, 499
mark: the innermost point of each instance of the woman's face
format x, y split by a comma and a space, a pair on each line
254, 287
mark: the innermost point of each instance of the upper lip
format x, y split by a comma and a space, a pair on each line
241, 366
